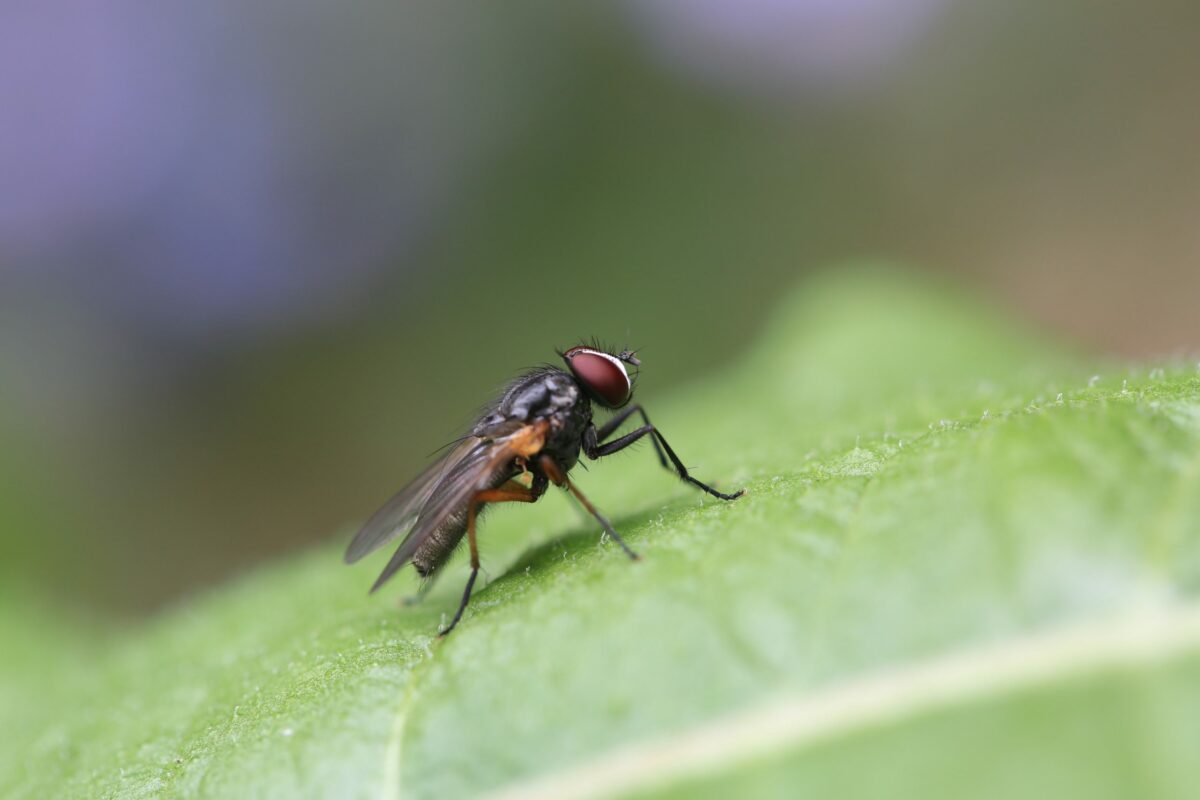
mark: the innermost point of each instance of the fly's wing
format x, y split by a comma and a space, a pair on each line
399, 513
478, 469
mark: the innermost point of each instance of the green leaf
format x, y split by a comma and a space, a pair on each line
967, 563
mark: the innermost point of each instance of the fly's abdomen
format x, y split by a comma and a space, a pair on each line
438, 548
441, 543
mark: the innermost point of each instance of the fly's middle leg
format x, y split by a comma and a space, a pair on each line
554, 472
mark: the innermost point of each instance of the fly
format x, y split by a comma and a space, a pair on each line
539, 425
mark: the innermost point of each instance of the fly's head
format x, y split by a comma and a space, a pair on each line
603, 374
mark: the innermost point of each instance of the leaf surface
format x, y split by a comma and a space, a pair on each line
929, 488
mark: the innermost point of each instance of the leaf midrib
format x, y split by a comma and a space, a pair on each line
790, 722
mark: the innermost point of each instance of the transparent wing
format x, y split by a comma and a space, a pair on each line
399, 513
486, 464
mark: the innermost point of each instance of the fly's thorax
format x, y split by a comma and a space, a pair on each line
534, 395
566, 431
549, 394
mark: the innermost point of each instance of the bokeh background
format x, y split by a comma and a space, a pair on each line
259, 259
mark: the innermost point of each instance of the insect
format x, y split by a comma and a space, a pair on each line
535, 431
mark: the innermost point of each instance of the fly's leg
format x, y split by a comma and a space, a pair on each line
510, 492
610, 427
594, 449
554, 472
414, 599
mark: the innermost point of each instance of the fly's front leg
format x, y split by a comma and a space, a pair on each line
610, 427
593, 448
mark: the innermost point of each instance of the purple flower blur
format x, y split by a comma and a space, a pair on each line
202, 170
767, 44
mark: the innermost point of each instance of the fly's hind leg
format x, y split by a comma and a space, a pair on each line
419, 595
509, 492
554, 472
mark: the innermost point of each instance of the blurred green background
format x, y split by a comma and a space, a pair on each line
258, 260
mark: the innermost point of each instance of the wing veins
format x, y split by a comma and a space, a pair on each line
404, 508
473, 472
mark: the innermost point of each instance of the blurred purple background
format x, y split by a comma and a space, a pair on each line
257, 259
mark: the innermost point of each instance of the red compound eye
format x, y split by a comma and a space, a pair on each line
603, 375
